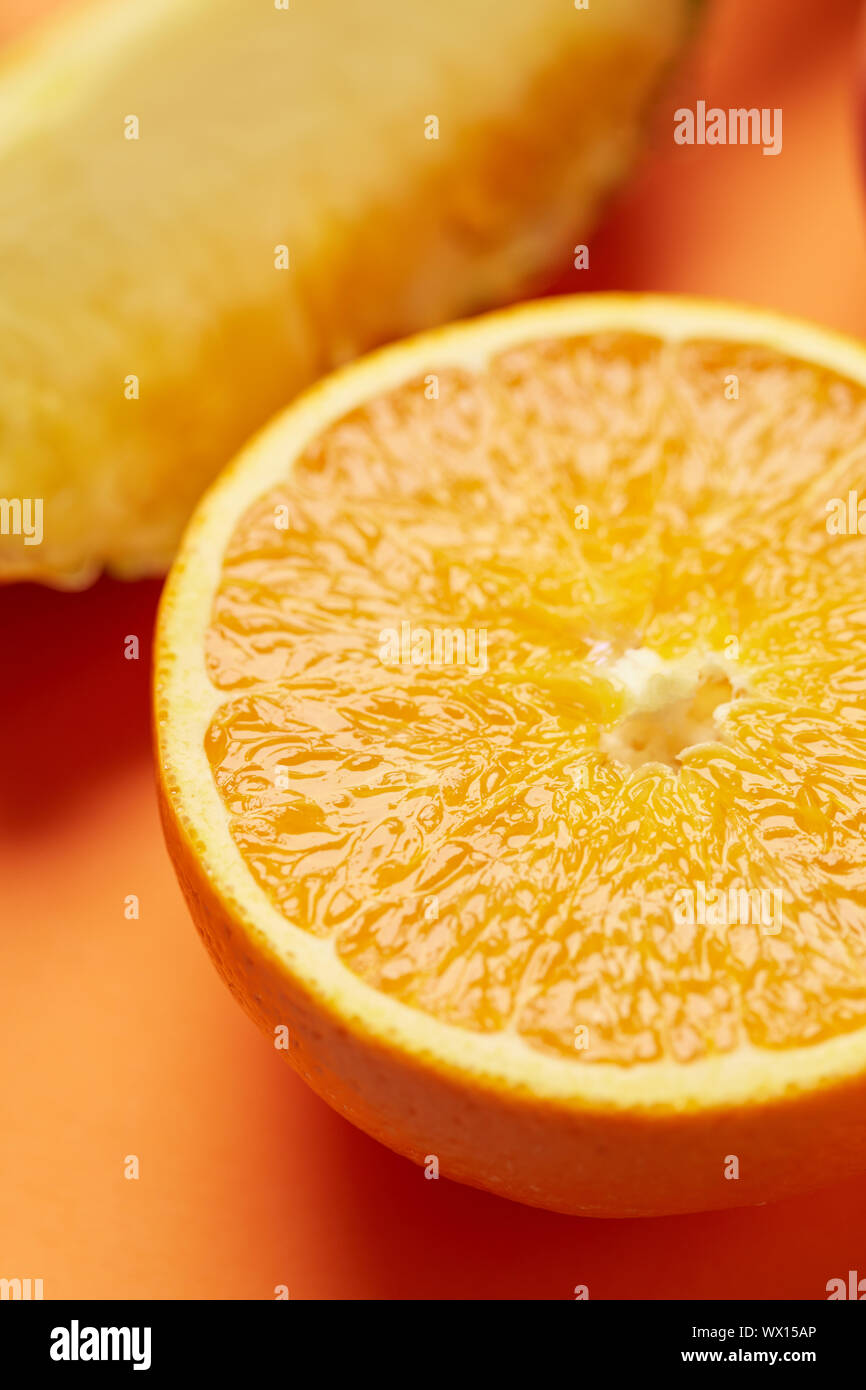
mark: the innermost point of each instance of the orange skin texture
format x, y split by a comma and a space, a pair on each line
570, 1159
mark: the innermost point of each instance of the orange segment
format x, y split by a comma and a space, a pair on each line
489, 784
520, 671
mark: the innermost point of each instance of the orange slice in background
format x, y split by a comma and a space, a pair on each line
511, 712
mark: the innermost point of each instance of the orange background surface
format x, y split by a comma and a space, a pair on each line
118, 1038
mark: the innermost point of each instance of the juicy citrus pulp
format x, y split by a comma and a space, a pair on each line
527, 684
552, 861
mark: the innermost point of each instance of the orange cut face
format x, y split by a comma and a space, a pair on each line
546, 697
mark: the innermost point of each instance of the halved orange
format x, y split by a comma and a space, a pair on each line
511, 711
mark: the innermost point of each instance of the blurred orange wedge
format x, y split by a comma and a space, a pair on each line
511, 711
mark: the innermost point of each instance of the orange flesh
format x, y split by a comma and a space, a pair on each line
503, 843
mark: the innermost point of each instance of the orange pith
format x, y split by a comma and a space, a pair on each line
664, 691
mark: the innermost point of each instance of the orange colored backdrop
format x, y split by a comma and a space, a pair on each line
117, 1037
